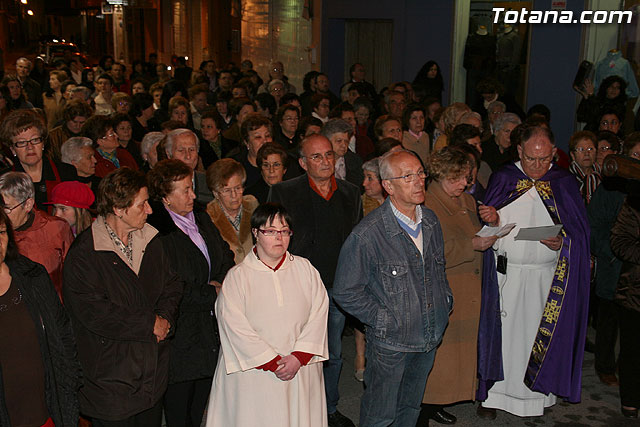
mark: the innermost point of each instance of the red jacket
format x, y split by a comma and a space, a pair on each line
46, 242
104, 166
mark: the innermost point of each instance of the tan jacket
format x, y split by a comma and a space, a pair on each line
453, 377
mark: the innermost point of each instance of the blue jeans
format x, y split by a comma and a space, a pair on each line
395, 383
333, 366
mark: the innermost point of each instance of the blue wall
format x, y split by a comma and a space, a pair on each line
554, 60
422, 30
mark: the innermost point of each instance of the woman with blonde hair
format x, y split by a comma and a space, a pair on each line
450, 117
71, 201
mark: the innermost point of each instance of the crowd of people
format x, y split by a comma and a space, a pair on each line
190, 244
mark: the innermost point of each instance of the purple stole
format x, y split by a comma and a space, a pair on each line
555, 363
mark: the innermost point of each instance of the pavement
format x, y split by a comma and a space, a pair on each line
600, 404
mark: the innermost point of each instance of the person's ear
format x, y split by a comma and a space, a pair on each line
303, 163
28, 205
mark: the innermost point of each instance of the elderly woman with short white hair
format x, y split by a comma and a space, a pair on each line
496, 151
78, 152
149, 149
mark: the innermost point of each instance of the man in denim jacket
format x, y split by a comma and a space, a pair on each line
391, 277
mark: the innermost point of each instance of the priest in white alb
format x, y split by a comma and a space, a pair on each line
535, 293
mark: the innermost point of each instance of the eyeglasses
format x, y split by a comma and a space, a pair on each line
267, 166
290, 119
273, 233
317, 157
583, 149
605, 148
33, 142
276, 70
8, 210
543, 160
234, 190
410, 177
109, 135
607, 122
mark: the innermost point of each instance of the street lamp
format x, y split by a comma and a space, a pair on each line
30, 12
23, 1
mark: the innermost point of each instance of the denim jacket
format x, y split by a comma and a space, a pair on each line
403, 298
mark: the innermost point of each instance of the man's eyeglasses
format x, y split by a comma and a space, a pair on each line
410, 177
317, 157
273, 233
8, 210
33, 142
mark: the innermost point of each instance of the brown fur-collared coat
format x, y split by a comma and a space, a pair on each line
240, 243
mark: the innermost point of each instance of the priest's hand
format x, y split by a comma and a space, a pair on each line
489, 215
481, 244
288, 368
161, 328
554, 243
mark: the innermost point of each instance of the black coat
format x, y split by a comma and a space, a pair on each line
57, 344
353, 164
195, 344
296, 196
113, 311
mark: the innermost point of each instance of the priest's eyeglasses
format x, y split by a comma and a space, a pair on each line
410, 177
269, 232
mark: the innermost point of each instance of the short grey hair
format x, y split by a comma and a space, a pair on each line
24, 59
469, 114
173, 135
334, 126
373, 166
17, 185
497, 104
70, 149
274, 82
148, 141
502, 121
386, 159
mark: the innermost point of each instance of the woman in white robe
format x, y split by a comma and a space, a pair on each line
272, 317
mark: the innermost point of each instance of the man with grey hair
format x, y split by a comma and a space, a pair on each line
497, 150
184, 145
348, 164
391, 277
31, 87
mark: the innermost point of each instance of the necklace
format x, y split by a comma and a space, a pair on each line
15, 301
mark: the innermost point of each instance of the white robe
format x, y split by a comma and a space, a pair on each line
262, 314
523, 294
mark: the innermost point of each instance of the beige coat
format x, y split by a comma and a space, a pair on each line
453, 377
419, 146
241, 242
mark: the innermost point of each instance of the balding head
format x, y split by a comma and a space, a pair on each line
317, 157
